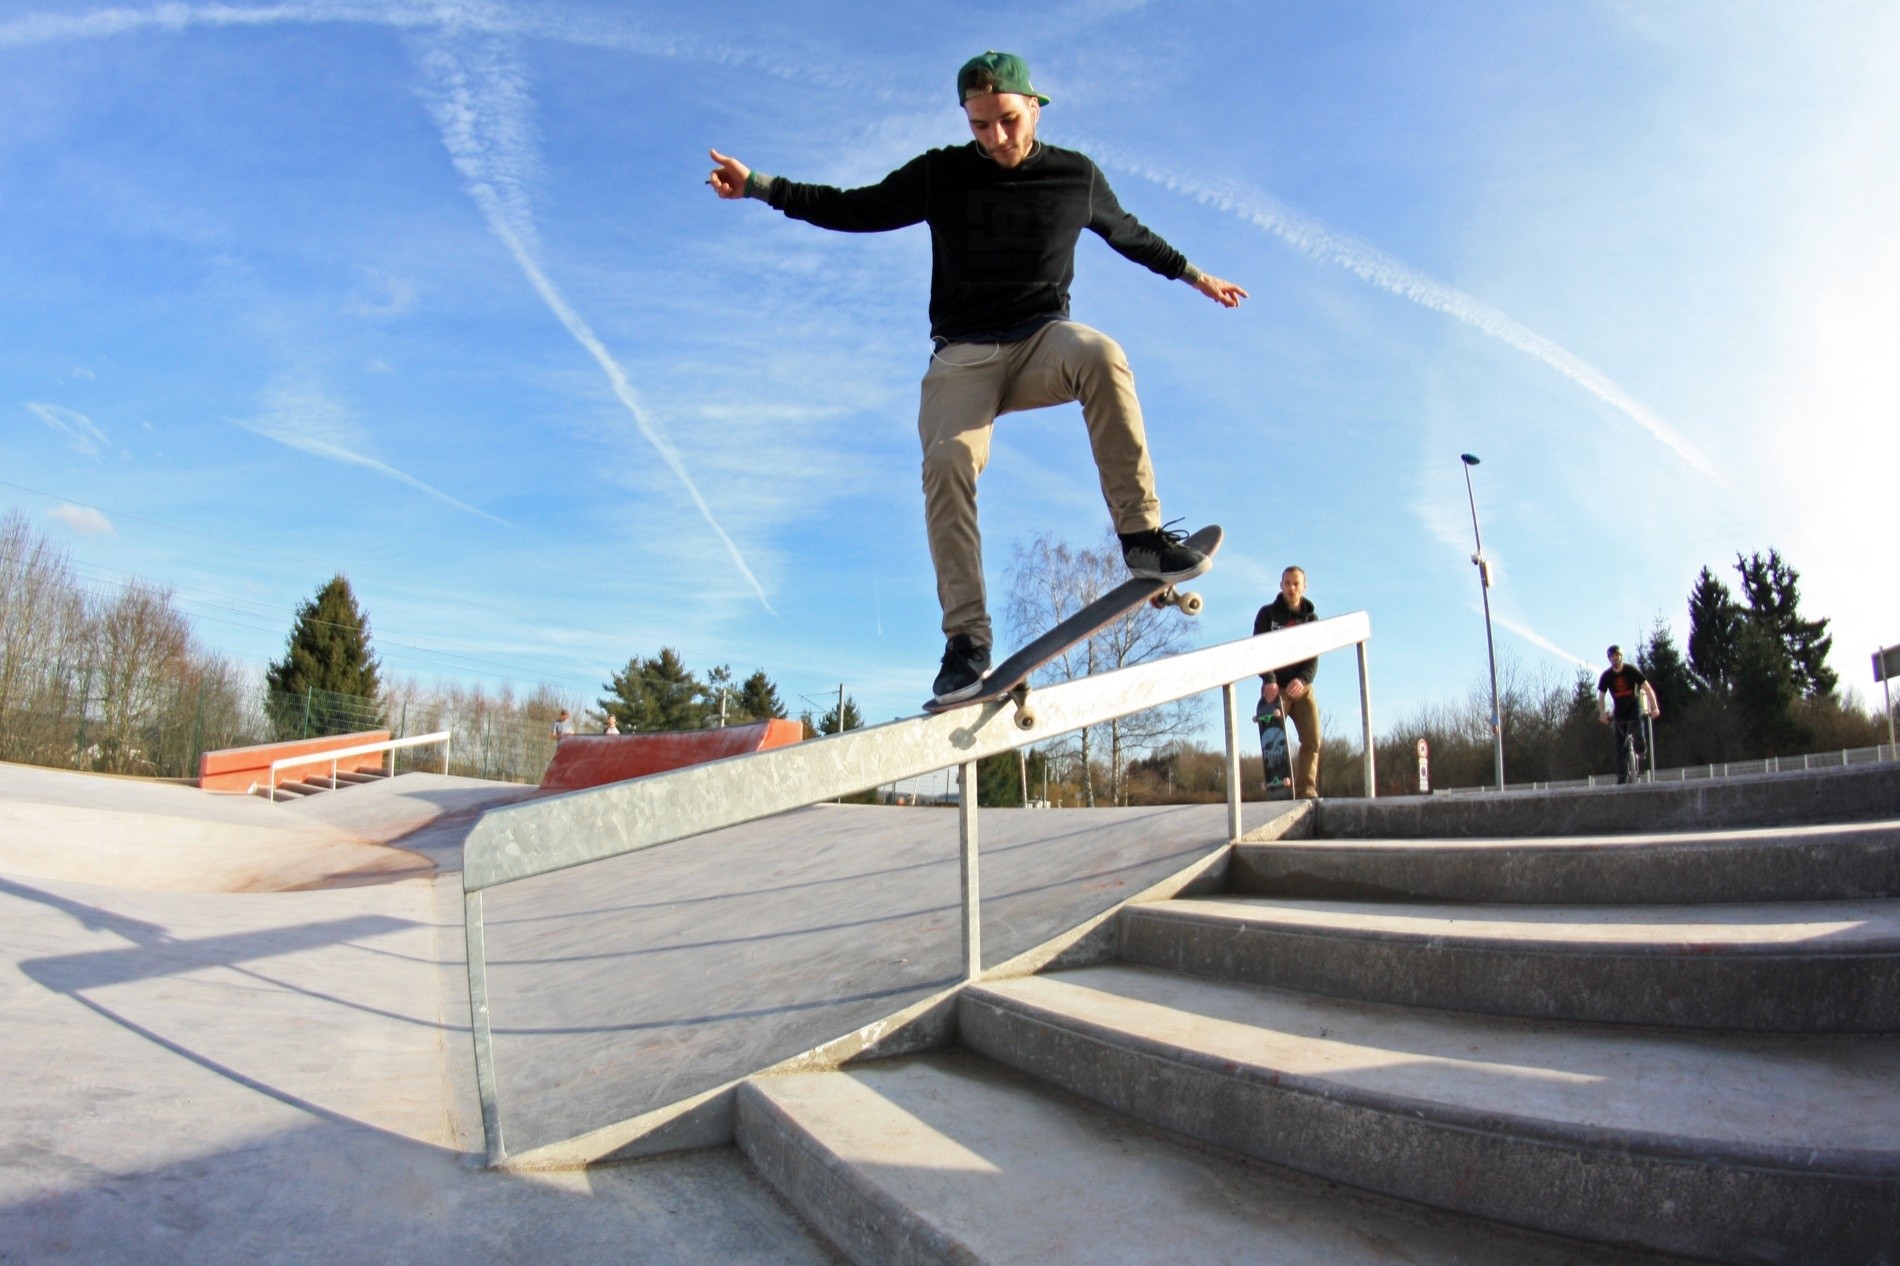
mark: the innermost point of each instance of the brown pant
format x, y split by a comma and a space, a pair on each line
967, 387
1304, 713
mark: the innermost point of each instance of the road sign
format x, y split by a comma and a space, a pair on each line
1424, 767
1887, 663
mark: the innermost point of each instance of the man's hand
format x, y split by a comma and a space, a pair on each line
1269, 692
728, 179
1296, 689
1603, 718
1225, 293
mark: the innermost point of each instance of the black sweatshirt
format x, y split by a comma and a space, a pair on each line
1002, 239
1277, 615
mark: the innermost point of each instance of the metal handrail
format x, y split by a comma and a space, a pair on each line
554, 833
361, 749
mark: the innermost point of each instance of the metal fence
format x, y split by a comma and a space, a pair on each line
1702, 773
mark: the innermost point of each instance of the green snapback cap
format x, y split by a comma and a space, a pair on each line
1007, 71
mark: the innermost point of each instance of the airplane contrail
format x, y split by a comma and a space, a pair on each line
482, 112
483, 118
1369, 263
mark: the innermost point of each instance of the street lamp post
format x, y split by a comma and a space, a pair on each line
1490, 648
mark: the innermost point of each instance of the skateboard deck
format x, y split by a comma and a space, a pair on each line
1010, 679
1275, 762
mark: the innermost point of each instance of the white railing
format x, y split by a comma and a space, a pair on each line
392, 746
1703, 773
553, 833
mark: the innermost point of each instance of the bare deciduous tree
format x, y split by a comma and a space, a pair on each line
1051, 580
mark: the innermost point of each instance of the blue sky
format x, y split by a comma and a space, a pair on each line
435, 295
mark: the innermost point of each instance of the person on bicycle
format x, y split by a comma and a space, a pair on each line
1624, 698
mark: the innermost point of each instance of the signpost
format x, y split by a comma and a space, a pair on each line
1886, 668
1424, 768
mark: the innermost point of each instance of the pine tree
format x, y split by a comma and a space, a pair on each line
657, 693
1715, 628
1772, 589
1765, 687
1668, 676
853, 719
329, 681
759, 699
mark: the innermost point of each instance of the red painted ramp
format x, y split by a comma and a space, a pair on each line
588, 760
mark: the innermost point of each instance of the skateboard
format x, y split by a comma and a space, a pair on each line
1274, 761
1010, 679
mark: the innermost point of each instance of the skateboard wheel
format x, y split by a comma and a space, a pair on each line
1190, 603
1025, 718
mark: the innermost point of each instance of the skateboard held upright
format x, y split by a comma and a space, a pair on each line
1275, 761
1010, 679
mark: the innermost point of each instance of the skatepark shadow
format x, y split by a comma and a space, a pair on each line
341, 1017
321, 1191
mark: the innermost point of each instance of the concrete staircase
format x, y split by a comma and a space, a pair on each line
1569, 1048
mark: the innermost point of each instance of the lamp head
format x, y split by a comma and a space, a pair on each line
1467, 459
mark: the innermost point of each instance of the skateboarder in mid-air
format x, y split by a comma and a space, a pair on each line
1005, 213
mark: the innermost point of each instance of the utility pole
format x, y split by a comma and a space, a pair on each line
1490, 649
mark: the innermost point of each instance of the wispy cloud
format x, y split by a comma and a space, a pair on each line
80, 431
1370, 264
82, 519
1539, 640
479, 99
300, 415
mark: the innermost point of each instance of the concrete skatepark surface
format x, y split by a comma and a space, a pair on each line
237, 1031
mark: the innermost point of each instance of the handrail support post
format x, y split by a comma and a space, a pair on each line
1365, 719
972, 888
1230, 715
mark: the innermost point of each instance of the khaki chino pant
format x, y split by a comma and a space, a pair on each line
968, 386
1304, 713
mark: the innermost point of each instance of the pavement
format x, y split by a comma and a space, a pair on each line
237, 1031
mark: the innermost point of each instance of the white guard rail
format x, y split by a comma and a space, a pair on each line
392, 746
539, 837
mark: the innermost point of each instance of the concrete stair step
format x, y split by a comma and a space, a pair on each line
1813, 863
950, 1158
1810, 967
1729, 1147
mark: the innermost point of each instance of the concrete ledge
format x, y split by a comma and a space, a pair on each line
1856, 794
871, 1225
1825, 970
1813, 863
1698, 1197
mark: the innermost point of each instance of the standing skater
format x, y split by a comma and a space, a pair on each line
1292, 687
1005, 213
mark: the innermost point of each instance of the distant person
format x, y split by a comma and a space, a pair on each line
1624, 696
1005, 213
1291, 688
613, 725
563, 726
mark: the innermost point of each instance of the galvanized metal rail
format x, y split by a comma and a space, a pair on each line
392, 746
555, 833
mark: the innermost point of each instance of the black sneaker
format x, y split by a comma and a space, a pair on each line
964, 663
1159, 554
